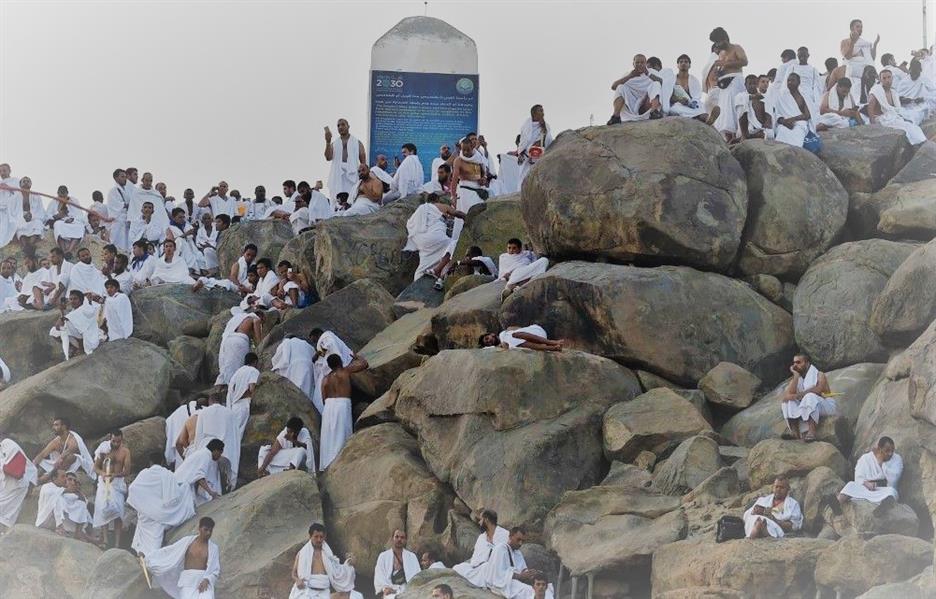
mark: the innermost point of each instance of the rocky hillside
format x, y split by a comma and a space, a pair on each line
684, 274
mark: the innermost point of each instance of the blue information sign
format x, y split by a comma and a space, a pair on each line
425, 109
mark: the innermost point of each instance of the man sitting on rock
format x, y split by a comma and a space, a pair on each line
200, 471
474, 569
292, 449
17, 473
189, 568
838, 109
395, 567
877, 475
803, 402
66, 451
775, 514
318, 573
506, 573
517, 266
529, 337
637, 94
428, 560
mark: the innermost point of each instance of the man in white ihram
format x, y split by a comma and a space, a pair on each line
317, 572
877, 474
17, 473
337, 421
189, 568
535, 137
506, 573
294, 359
292, 449
491, 535
161, 502
395, 567
345, 154
803, 401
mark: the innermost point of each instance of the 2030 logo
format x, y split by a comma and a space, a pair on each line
389, 83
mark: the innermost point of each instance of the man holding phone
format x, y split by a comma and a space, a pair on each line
218, 200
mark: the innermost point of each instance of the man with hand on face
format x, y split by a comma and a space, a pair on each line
637, 94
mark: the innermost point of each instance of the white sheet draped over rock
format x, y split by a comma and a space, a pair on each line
167, 567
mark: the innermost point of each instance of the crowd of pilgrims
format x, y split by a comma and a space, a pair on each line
150, 238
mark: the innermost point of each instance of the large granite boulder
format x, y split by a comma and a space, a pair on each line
662, 191
763, 419
491, 445
189, 353
859, 518
268, 235
756, 568
656, 421
675, 321
905, 307
498, 220
356, 314
300, 252
40, 563
911, 213
379, 483
95, 392
775, 457
143, 438
865, 209
921, 358
393, 350
834, 300
260, 529
853, 565
365, 247
162, 312
459, 322
693, 461
275, 400
796, 208
729, 385
865, 158
27, 347
610, 528
117, 575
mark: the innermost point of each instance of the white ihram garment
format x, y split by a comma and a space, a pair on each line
427, 233
338, 577
787, 108
13, 490
198, 465
294, 359
383, 572
240, 383
891, 117
290, 455
174, 425
329, 343
119, 316
161, 502
727, 119
474, 569
812, 405
167, 567
635, 92
80, 323
234, 347
343, 176
789, 510
217, 421
337, 426
409, 177
499, 573
868, 469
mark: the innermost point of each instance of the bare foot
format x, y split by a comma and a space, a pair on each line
198, 285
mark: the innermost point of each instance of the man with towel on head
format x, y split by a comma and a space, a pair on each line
292, 449
729, 70
395, 567
174, 425
492, 535
66, 451
317, 572
345, 153
326, 343
17, 473
235, 343
877, 474
241, 389
637, 94
161, 503
190, 567
535, 137
803, 401
337, 424
112, 464
294, 359
884, 109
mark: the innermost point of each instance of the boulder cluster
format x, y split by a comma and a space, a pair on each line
684, 275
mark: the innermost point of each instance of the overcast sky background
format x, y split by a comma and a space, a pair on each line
196, 91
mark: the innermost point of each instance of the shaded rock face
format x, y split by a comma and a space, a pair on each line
356, 314
757, 568
921, 357
461, 320
865, 209
260, 528
834, 300
609, 528
910, 212
796, 209
189, 353
663, 191
117, 575
656, 421
675, 321
693, 461
392, 351
729, 385
763, 419
101, 380
379, 483
26, 345
143, 438
905, 307
27, 554
775, 457
858, 519
513, 452
163, 312
853, 565
417, 295
499, 220
865, 158
365, 247
268, 235
275, 400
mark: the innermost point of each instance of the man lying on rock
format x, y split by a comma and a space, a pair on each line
773, 515
530, 337
804, 401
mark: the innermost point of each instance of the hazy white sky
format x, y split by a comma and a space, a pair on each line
196, 91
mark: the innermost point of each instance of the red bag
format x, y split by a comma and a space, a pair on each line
16, 467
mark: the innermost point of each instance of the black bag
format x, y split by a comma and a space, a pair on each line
729, 528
